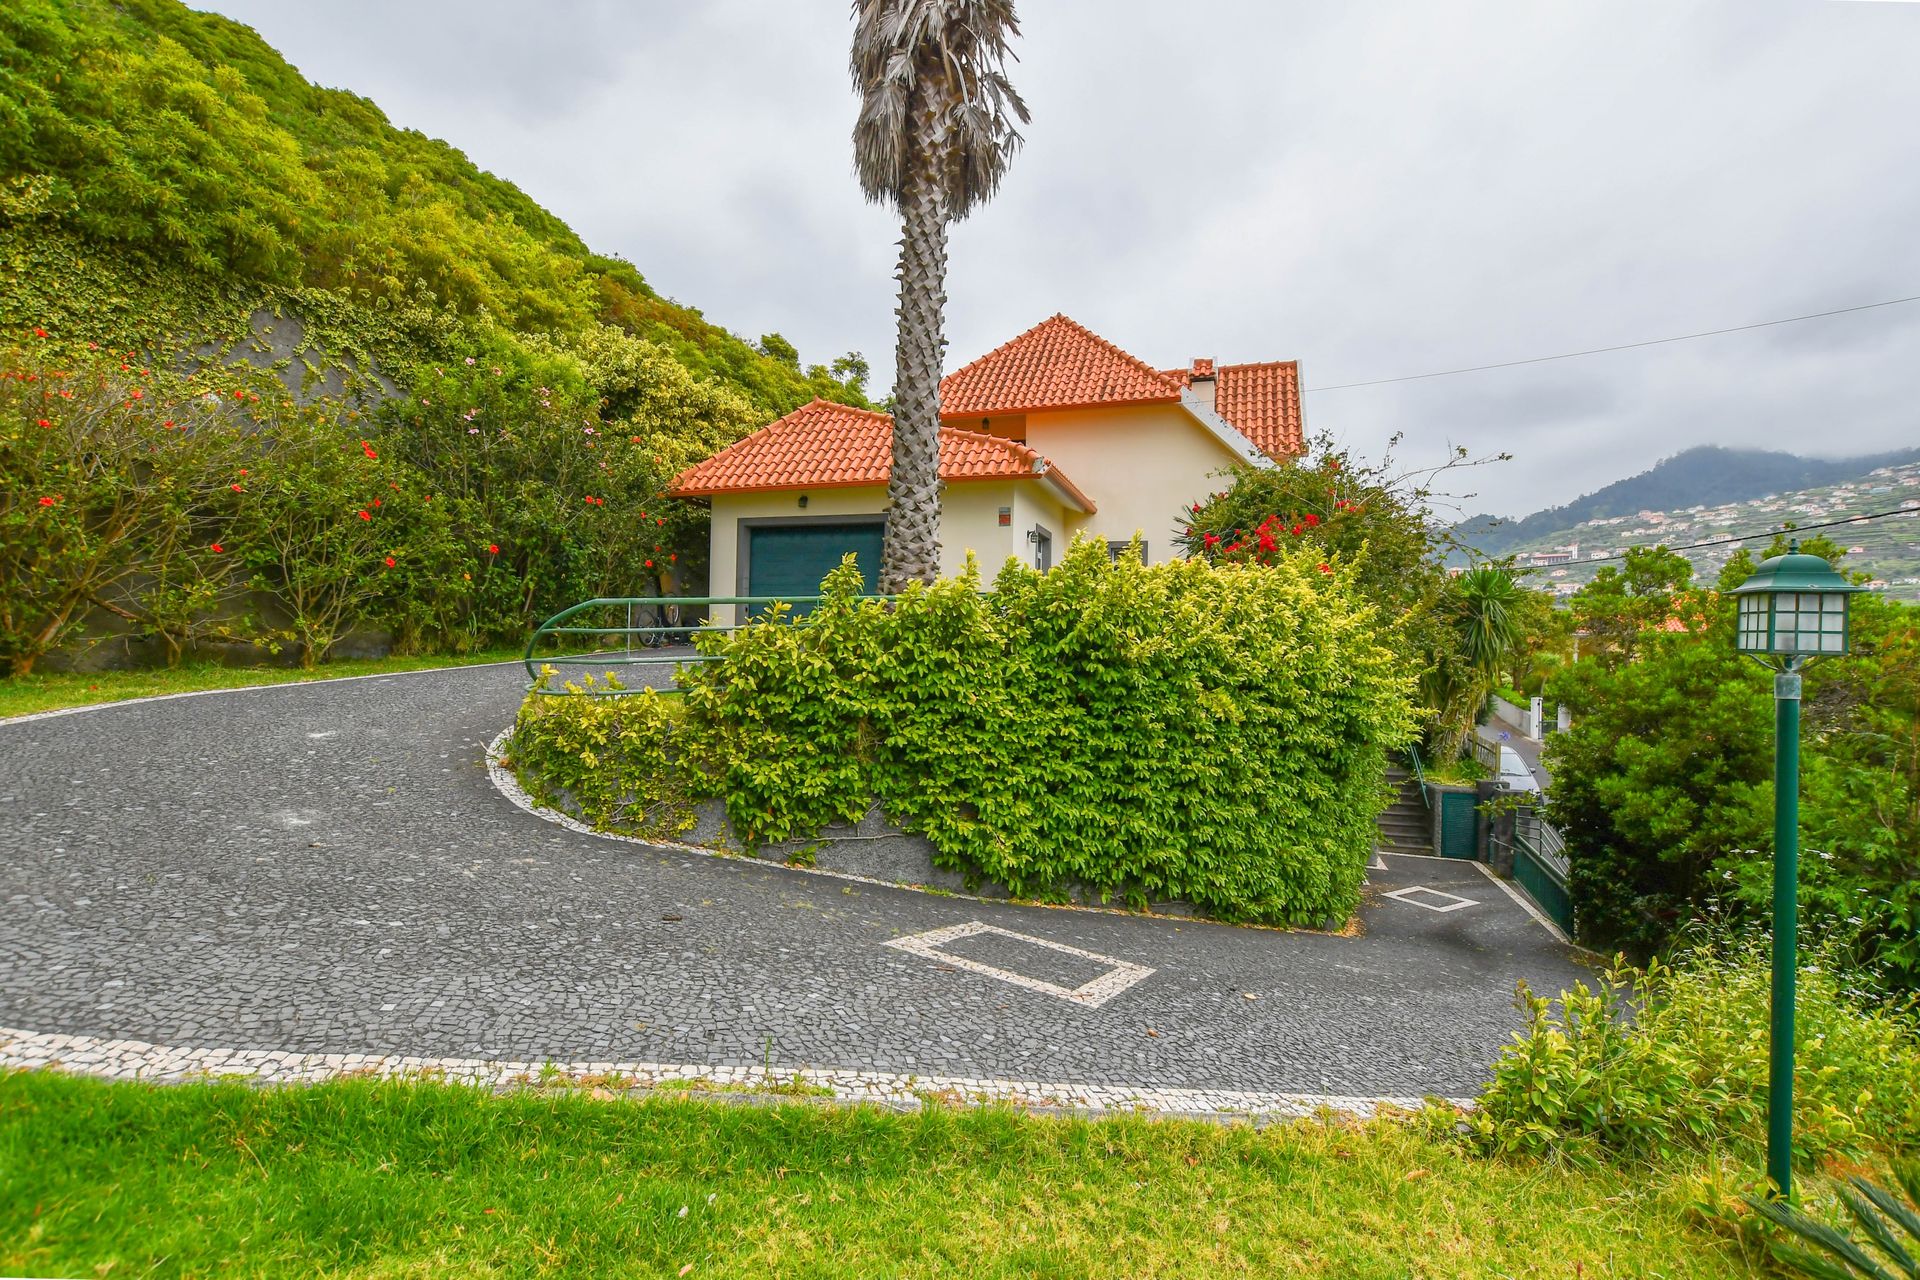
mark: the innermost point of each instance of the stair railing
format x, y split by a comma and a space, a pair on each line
1419, 774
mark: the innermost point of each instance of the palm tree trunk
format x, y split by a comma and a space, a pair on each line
910, 548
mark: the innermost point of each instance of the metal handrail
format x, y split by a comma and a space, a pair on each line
652, 636
1419, 774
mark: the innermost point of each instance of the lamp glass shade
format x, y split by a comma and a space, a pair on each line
1795, 606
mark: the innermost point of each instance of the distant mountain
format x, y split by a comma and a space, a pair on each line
1707, 476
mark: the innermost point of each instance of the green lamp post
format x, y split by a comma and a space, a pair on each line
1793, 609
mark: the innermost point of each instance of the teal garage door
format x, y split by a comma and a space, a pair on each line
791, 559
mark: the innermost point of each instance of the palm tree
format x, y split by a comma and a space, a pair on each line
1483, 609
934, 137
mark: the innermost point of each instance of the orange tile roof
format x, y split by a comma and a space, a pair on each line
1263, 402
823, 445
1260, 401
1057, 364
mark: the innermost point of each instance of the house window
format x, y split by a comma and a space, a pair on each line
1117, 549
1042, 547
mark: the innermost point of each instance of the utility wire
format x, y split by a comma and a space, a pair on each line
1742, 537
1624, 346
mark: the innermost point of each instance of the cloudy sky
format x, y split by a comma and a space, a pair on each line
1377, 189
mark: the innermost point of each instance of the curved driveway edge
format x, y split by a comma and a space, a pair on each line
325, 869
159, 1064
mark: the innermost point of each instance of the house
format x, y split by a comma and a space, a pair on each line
1054, 434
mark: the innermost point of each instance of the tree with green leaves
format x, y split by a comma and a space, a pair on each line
934, 137
1664, 785
1624, 604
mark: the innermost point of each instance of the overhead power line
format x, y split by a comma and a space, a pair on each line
1743, 537
1624, 346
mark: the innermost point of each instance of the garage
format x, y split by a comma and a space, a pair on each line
789, 557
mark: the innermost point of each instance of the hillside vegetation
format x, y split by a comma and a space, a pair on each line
276, 374
164, 173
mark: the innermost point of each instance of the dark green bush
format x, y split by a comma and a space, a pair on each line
1186, 731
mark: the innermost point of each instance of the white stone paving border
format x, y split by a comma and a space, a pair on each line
244, 688
137, 1060
1121, 974
1526, 904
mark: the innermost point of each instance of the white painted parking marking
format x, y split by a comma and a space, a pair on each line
1451, 901
1122, 973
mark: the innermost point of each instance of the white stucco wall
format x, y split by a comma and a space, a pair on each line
1141, 464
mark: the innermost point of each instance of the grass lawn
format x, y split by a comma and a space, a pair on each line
20, 695
368, 1179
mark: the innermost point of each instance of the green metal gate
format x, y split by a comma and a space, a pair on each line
1459, 824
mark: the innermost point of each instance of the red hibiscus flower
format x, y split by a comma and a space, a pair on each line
1326, 568
39, 333
649, 564
493, 548
366, 515
1311, 520
390, 562
1213, 539
1296, 530
216, 548
236, 488
46, 502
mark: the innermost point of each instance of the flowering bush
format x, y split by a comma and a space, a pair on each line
112, 485
216, 506
1181, 731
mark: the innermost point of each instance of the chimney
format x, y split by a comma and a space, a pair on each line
1202, 380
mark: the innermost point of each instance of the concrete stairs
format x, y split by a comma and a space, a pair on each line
1406, 826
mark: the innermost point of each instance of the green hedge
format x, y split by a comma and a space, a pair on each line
1216, 735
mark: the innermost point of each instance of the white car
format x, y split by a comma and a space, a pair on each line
1514, 776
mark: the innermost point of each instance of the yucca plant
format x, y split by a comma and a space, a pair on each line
1891, 1232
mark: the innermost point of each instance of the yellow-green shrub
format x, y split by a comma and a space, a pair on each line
1215, 734
622, 762
1674, 1058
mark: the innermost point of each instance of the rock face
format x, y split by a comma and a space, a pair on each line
278, 342
874, 849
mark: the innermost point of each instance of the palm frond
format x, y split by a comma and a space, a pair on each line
1861, 1200
1877, 1213
934, 91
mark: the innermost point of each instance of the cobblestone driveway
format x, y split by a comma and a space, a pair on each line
326, 869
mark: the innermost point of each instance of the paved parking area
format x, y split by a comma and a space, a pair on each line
326, 869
